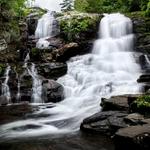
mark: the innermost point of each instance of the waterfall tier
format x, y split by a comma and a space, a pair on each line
109, 70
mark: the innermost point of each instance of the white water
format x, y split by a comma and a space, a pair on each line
5, 87
147, 60
109, 70
36, 85
46, 28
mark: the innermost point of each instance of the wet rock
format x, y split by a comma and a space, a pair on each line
104, 122
144, 78
115, 103
14, 112
65, 52
3, 100
134, 119
52, 70
52, 91
137, 137
32, 21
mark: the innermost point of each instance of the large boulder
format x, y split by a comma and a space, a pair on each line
52, 91
104, 122
115, 103
65, 52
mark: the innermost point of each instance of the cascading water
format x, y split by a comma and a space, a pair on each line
46, 28
5, 87
109, 70
37, 85
37, 82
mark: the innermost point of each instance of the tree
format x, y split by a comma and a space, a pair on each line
67, 5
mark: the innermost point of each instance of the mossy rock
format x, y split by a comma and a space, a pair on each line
141, 105
2, 69
36, 54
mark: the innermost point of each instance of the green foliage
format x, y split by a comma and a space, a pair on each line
101, 6
81, 5
142, 104
11, 11
13, 6
73, 27
147, 12
67, 5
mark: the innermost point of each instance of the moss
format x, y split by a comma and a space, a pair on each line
142, 105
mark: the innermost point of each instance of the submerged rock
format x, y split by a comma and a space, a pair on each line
14, 112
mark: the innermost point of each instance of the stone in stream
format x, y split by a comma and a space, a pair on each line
144, 78
52, 91
52, 70
15, 112
121, 102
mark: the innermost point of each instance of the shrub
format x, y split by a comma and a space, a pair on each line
142, 104
73, 27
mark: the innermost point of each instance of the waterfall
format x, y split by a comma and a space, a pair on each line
5, 86
109, 70
37, 85
47, 27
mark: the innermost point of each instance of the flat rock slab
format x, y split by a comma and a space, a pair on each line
104, 122
115, 103
133, 137
14, 112
134, 119
119, 103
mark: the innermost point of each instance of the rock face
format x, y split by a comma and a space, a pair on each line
52, 70
141, 27
65, 52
